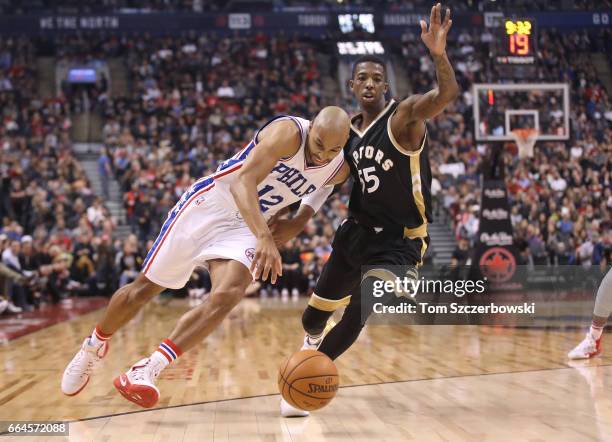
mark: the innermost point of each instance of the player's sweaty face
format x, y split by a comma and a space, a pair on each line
323, 146
368, 84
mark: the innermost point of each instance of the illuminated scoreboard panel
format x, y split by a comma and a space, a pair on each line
516, 42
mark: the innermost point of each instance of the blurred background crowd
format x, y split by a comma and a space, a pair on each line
561, 199
195, 100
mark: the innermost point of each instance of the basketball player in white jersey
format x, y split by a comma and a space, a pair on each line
223, 220
591, 344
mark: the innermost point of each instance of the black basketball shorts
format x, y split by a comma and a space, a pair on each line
355, 246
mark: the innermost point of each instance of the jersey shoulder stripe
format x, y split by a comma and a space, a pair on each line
238, 158
335, 172
281, 118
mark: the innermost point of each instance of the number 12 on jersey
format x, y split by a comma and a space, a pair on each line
369, 180
273, 200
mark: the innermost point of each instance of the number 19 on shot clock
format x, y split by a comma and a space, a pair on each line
516, 44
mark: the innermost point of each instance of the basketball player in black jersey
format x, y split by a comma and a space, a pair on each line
390, 203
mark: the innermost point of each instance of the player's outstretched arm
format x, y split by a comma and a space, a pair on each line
279, 140
422, 107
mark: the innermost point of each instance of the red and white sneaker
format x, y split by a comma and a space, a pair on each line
79, 370
588, 348
138, 383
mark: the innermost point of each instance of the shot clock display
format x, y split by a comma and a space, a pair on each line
516, 44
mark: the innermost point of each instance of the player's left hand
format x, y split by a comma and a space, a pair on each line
267, 261
285, 229
435, 37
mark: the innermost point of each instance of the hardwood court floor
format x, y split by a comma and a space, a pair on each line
399, 383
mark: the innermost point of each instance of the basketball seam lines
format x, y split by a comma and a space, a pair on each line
304, 360
318, 376
295, 404
290, 385
285, 367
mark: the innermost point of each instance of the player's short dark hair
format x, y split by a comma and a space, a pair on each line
369, 59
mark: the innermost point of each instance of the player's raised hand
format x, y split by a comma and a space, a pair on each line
267, 260
435, 37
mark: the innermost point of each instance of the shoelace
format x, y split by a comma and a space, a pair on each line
140, 373
91, 363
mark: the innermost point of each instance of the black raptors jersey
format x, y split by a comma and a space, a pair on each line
394, 185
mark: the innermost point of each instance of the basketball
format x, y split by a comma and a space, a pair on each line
308, 380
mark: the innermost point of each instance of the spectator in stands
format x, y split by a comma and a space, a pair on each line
129, 258
105, 268
16, 289
95, 214
105, 172
30, 265
144, 213
8, 278
292, 281
461, 254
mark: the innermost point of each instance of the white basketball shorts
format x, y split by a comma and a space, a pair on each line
199, 227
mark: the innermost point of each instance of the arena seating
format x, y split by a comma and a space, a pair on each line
195, 101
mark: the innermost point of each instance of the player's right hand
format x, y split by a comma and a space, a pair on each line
267, 260
435, 37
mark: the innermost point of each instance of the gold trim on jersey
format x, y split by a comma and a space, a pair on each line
328, 305
423, 250
416, 232
398, 146
384, 274
417, 192
382, 112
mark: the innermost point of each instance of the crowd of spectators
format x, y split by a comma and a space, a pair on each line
194, 101
56, 236
561, 199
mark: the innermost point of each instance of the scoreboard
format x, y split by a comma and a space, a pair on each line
516, 42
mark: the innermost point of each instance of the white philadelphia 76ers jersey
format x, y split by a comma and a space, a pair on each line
289, 181
205, 223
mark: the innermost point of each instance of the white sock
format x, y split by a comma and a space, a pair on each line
97, 338
159, 360
596, 331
